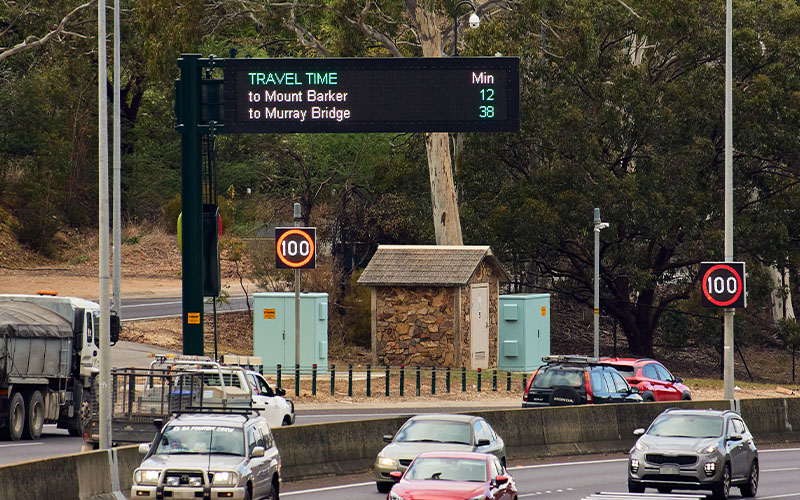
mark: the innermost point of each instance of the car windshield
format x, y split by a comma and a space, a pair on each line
201, 439
447, 469
435, 431
553, 377
625, 370
689, 426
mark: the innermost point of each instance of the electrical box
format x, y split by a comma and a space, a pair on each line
274, 331
524, 333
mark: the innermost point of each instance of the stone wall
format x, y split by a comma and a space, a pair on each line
415, 326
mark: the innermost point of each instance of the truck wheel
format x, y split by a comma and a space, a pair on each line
83, 415
16, 417
34, 421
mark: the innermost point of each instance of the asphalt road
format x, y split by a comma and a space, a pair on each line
567, 479
170, 307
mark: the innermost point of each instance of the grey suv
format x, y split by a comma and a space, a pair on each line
694, 449
210, 455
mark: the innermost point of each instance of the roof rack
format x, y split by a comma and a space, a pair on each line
217, 410
570, 359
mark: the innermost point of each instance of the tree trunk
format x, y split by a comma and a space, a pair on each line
446, 221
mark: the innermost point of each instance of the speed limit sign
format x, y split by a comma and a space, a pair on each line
723, 284
295, 247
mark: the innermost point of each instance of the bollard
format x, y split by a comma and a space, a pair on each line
350, 381
369, 382
333, 379
494, 379
314, 379
387, 381
402, 380
479, 380
508, 381
463, 379
279, 376
447, 380
418, 374
523, 381
296, 380
433, 380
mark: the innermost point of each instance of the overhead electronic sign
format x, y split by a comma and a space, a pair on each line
462, 94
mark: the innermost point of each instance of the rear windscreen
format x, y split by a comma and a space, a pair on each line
558, 377
625, 370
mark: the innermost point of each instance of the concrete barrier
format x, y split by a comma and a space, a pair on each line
350, 447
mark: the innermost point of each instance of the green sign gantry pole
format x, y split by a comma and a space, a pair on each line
191, 203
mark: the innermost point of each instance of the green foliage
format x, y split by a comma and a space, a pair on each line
789, 332
356, 312
171, 210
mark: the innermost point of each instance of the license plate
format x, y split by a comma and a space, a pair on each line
182, 494
670, 469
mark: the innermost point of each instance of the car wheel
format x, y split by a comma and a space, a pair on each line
16, 417
564, 396
751, 488
248, 492
664, 489
686, 396
647, 397
287, 420
34, 417
635, 487
384, 487
722, 489
273, 491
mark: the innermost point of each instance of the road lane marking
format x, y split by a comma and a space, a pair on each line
561, 464
328, 488
780, 470
787, 495
777, 450
19, 444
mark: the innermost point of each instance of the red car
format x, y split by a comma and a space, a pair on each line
655, 382
443, 475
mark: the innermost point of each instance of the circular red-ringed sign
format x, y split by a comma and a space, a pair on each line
709, 295
303, 235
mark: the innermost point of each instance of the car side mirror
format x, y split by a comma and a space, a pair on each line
634, 390
678, 380
395, 475
638, 432
735, 437
483, 442
280, 391
144, 448
258, 451
387, 438
500, 480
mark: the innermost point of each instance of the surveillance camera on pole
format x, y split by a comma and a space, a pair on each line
474, 21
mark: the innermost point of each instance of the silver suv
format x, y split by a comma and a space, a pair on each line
694, 449
210, 455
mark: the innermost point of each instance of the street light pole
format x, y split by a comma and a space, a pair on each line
474, 21
728, 313
597, 227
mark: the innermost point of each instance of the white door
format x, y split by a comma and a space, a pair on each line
479, 325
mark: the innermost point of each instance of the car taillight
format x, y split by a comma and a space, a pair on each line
528, 386
588, 386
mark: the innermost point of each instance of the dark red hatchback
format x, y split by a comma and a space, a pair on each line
454, 476
654, 381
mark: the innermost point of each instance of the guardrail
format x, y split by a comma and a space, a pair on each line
339, 448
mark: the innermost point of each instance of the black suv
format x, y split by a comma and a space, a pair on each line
576, 380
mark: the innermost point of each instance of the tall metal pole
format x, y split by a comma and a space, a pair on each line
728, 314
297, 218
596, 283
117, 221
105, 337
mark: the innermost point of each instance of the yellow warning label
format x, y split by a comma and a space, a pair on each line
596, 310
269, 313
544, 310
193, 318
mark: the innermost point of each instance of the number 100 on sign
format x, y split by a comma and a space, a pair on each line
723, 284
295, 247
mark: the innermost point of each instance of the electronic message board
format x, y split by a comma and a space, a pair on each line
464, 94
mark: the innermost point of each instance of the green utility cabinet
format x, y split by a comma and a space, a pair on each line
273, 330
524, 334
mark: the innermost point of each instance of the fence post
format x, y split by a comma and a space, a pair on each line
387, 381
350, 381
463, 379
314, 379
333, 379
418, 374
494, 379
479, 379
369, 381
447, 380
524, 379
433, 380
296, 380
402, 380
508, 381
279, 376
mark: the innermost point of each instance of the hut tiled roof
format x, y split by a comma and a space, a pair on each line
427, 265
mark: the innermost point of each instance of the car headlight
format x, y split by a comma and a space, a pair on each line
173, 481
146, 476
387, 462
640, 446
707, 449
395, 496
225, 478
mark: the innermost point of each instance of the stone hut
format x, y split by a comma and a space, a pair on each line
434, 305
